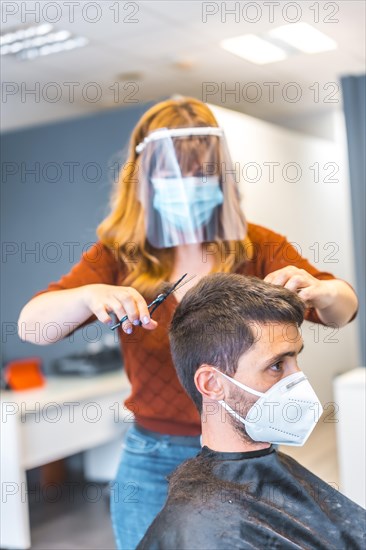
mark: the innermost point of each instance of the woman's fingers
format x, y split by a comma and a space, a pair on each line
151, 325
102, 314
135, 307
122, 301
295, 283
143, 313
120, 313
297, 280
290, 277
279, 277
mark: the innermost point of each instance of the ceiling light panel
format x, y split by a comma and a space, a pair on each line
39, 40
254, 49
304, 37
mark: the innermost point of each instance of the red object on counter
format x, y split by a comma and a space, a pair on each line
24, 374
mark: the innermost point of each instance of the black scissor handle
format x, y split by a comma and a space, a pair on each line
156, 303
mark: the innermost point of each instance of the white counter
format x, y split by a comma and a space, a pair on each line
66, 416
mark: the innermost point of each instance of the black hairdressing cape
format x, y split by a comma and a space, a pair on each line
260, 499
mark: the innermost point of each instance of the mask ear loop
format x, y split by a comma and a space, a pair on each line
232, 412
243, 387
239, 384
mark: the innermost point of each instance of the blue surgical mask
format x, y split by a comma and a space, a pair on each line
186, 203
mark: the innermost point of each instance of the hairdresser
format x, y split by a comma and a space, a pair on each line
175, 210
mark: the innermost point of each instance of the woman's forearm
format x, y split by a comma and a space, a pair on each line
51, 316
343, 305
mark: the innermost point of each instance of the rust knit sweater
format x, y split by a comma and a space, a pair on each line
157, 399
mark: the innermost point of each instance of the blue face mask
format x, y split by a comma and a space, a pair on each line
186, 203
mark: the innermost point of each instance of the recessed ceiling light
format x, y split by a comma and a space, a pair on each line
35, 41
304, 37
254, 49
130, 76
184, 64
23, 33
56, 47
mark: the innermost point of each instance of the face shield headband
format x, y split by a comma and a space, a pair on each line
187, 187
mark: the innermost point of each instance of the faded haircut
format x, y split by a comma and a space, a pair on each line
216, 322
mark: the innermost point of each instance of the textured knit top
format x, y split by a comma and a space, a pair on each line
157, 399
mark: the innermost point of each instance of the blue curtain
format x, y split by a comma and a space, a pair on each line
354, 105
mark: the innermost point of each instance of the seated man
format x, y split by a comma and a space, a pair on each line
235, 342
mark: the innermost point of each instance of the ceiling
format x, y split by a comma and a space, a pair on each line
158, 48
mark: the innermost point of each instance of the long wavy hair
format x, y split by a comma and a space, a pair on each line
123, 230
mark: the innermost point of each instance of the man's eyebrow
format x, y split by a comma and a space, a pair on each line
280, 356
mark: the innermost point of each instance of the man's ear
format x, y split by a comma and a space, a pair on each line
209, 383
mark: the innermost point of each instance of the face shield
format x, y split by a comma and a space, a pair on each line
187, 187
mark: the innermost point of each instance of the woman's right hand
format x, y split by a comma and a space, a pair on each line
121, 300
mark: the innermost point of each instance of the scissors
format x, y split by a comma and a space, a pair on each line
159, 300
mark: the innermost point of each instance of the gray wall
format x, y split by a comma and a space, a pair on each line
42, 212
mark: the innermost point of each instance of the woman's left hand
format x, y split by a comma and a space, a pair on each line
314, 292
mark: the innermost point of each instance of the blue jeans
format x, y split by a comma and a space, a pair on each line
140, 488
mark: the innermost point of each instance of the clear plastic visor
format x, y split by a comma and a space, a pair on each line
187, 188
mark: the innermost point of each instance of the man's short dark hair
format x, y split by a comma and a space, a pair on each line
218, 320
